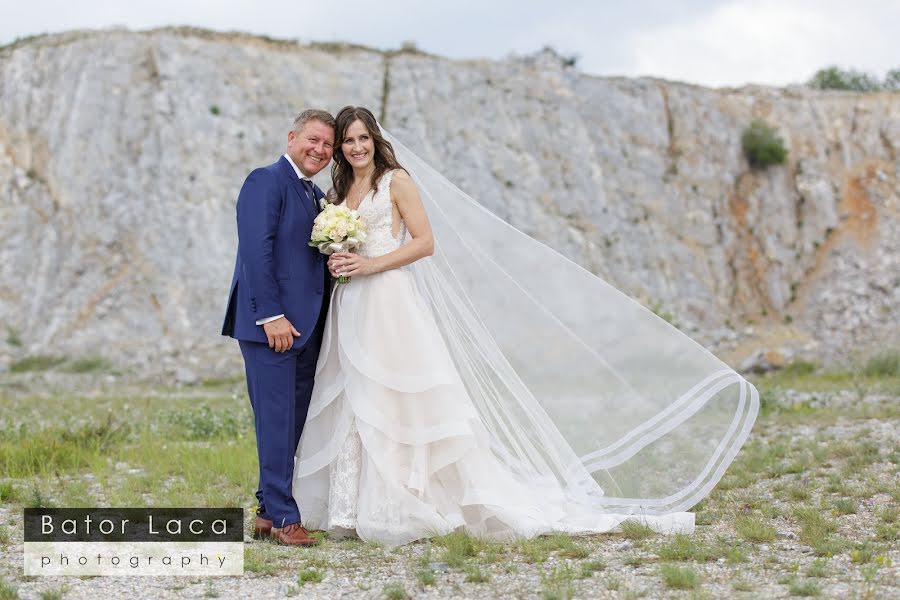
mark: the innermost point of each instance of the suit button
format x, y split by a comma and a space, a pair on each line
319, 290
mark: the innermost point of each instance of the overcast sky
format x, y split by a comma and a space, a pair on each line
711, 42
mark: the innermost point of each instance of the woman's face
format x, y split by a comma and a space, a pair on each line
358, 146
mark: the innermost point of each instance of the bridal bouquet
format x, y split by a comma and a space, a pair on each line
337, 229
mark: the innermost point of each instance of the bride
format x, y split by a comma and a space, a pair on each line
471, 377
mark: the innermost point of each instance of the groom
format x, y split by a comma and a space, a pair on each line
276, 311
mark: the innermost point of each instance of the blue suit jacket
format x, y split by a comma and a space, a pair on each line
276, 272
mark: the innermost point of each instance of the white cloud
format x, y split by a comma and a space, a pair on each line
771, 41
713, 42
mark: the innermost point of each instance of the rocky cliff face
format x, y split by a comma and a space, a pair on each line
121, 155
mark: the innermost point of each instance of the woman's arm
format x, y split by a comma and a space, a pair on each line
406, 198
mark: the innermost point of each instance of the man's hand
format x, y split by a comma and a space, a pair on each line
280, 334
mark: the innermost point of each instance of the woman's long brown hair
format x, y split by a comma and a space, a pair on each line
342, 172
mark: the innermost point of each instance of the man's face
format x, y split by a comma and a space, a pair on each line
312, 147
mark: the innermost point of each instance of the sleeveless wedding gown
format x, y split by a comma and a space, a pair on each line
394, 449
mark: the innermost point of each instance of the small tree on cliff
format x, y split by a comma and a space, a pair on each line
762, 145
835, 78
892, 80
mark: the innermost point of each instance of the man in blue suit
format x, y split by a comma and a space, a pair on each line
276, 311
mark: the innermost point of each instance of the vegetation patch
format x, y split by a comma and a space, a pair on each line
762, 145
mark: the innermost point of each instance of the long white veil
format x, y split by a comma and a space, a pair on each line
580, 387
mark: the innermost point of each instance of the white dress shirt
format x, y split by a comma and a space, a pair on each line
302, 177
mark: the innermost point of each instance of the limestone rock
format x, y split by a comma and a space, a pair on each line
121, 155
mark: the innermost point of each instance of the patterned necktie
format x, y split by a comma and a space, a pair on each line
308, 186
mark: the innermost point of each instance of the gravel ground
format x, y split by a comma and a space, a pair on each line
808, 428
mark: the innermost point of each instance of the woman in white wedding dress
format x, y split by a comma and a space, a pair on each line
434, 410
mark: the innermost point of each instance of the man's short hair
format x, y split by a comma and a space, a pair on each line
313, 114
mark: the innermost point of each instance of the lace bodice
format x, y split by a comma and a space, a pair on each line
376, 209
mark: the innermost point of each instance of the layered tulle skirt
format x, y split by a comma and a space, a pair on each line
393, 449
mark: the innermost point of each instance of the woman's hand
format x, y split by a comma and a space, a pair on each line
347, 263
332, 265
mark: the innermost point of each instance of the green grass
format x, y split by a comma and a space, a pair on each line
684, 547
54, 594
735, 554
217, 382
209, 450
307, 575
888, 514
557, 583
679, 578
425, 576
474, 574
875, 376
590, 567
863, 553
635, 530
804, 588
883, 365
539, 549
25, 453
804, 483
35, 363
837, 485
314, 559
261, 558
88, 364
633, 560
394, 591
799, 368
7, 591
864, 454
843, 506
817, 529
754, 529
38, 498
9, 492
797, 492
818, 568
887, 532
458, 548
205, 423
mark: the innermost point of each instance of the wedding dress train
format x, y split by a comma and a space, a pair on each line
408, 435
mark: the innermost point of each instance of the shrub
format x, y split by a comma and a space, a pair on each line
835, 78
35, 363
800, 368
762, 145
892, 80
87, 365
884, 364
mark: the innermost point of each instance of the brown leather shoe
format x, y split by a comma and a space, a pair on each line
294, 534
263, 528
